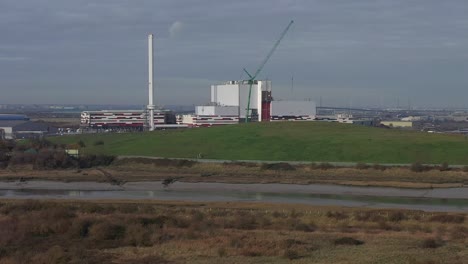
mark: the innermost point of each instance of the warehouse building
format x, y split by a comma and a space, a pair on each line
22, 129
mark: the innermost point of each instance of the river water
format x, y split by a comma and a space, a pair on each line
447, 200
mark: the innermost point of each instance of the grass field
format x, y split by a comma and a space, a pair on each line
183, 232
287, 141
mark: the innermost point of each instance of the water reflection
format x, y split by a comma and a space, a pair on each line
428, 204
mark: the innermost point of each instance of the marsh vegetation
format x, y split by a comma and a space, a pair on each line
177, 232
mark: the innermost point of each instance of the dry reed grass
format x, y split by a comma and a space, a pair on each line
176, 232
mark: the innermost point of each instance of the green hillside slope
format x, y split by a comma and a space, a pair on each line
288, 141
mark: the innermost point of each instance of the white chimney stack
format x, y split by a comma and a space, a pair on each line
150, 82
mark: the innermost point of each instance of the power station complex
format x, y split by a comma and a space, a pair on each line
228, 105
231, 102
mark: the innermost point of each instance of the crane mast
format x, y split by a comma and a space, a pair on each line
260, 68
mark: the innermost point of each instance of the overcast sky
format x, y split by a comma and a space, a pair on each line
349, 53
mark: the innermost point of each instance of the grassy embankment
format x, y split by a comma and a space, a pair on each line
301, 141
177, 232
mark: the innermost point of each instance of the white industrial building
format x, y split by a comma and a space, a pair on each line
229, 101
293, 110
236, 94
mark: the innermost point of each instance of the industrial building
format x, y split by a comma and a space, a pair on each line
248, 101
121, 119
397, 123
13, 117
19, 127
292, 111
236, 94
229, 104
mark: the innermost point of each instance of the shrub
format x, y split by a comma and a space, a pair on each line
80, 228
322, 166
4, 159
418, 167
459, 232
282, 166
246, 222
168, 181
38, 144
396, 216
431, 243
241, 164
137, 235
446, 218
20, 158
362, 166
348, 241
53, 159
379, 167
291, 254
444, 167
158, 221
81, 144
306, 227
55, 254
146, 260
222, 252
248, 252
98, 142
368, 216
90, 161
337, 215
288, 243
107, 231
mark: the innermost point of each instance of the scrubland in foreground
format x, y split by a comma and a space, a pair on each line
179, 232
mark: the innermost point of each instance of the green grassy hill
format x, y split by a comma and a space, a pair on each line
288, 141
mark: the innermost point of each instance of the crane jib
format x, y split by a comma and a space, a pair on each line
252, 78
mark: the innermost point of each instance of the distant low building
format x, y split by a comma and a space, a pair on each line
108, 119
13, 117
414, 118
17, 129
406, 124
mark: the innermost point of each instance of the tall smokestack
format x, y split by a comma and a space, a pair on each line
150, 82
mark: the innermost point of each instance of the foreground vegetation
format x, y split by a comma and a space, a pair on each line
284, 141
177, 232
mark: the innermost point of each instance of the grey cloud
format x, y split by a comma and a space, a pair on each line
366, 49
